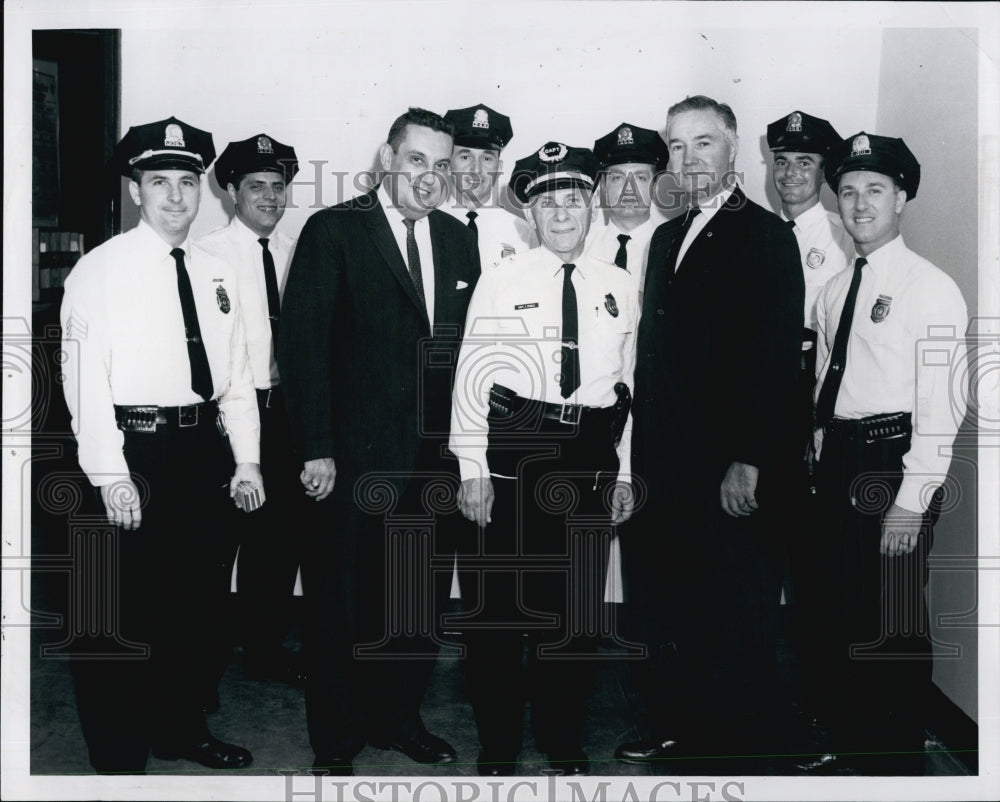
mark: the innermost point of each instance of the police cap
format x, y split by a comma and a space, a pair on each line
165, 145
553, 166
880, 154
258, 154
801, 133
480, 127
630, 143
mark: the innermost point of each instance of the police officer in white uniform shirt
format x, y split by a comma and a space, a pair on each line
887, 414
481, 134
160, 392
540, 412
254, 173
631, 159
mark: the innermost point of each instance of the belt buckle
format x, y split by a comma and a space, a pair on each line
574, 416
187, 416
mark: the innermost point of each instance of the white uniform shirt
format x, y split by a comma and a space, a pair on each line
123, 333
501, 233
422, 235
513, 338
237, 244
906, 362
826, 249
603, 245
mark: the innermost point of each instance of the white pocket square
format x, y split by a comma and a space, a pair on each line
461, 285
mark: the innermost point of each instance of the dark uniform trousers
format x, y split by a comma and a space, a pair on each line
874, 621
170, 582
538, 569
270, 538
376, 573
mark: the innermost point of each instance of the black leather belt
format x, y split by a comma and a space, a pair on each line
147, 419
507, 403
873, 429
269, 397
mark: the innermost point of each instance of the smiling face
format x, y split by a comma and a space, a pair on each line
797, 178
562, 218
260, 201
168, 201
702, 152
626, 190
474, 173
870, 205
417, 170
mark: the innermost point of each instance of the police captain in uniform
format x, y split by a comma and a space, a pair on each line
887, 414
481, 134
541, 429
254, 173
162, 400
631, 159
798, 144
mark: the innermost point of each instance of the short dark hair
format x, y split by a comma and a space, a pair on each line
421, 117
704, 103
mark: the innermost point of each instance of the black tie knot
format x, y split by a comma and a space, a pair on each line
472, 215
263, 242
178, 254
860, 262
409, 224
623, 238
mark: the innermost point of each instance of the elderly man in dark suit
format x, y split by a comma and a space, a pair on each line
715, 442
374, 306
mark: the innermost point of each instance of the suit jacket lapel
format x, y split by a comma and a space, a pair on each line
385, 243
720, 220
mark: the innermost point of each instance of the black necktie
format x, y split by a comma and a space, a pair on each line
472, 221
790, 223
569, 378
413, 259
271, 284
838, 356
621, 258
201, 373
675, 250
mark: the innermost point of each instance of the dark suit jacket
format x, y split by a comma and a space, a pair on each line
364, 379
718, 354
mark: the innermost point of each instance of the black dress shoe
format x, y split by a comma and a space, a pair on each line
212, 753
649, 750
494, 763
421, 747
332, 766
570, 762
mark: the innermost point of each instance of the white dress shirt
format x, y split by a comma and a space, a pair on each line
422, 234
603, 244
708, 211
913, 360
500, 232
513, 338
826, 249
238, 244
124, 338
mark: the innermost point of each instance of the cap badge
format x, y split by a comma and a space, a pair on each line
611, 305
794, 122
881, 309
625, 136
222, 299
174, 137
815, 258
480, 119
861, 146
264, 145
553, 152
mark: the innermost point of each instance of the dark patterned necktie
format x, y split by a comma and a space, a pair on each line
569, 378
621, 258
201, 373
271, 285
413, 259
472, 221
827, 401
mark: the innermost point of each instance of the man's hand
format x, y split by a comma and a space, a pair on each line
475, 500
738, 490
247, 472
900, 530
121, 502
622, 502
318, 476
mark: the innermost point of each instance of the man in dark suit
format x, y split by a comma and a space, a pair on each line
715, 440
372, 316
